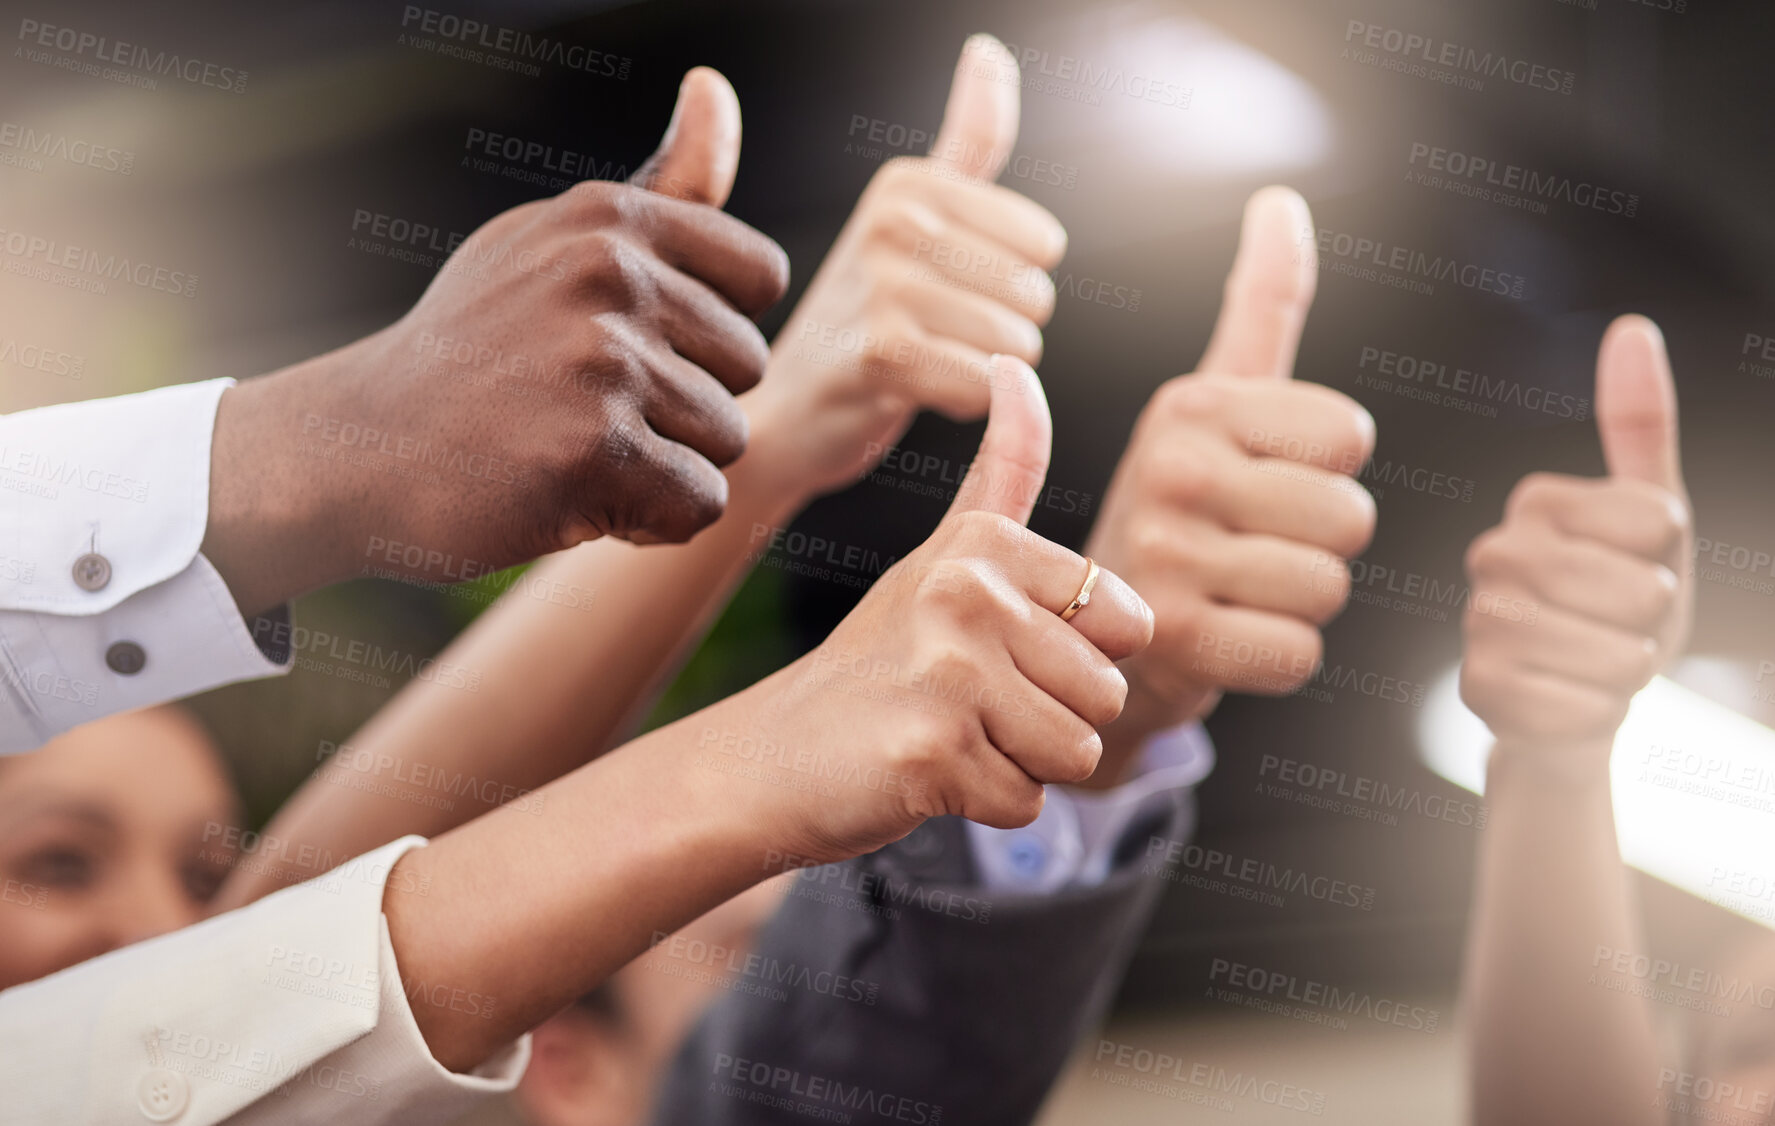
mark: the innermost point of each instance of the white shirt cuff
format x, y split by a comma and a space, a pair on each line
290, 1010
105, 602
1074, 841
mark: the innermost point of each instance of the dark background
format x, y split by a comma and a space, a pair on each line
255, 192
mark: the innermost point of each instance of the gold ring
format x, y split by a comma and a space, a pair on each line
1083, 598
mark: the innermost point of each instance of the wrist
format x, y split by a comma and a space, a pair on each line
279, 523
1546, 767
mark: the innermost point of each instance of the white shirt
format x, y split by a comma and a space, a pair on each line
105, 602
290, 1010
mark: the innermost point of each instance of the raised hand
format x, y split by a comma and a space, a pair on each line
953, 687
569, 374
936, 269
1235, 505
1582, 594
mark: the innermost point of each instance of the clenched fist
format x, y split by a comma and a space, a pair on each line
1600, 565
1235, 505
937, 269
569, 374
954, 687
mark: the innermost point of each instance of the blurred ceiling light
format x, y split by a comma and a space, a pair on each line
1247, 114
1693, 783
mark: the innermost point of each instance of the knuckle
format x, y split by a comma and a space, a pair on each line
1328, 587
1190, 398
1108, 695
595, 200
1537, 493
1490, 553
1082, 757
1185, 474
1353, 519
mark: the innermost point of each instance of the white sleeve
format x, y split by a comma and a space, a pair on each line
290, 1011
105, 603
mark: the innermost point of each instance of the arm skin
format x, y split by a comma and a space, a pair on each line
1549, 1045
1577, 601
569, 897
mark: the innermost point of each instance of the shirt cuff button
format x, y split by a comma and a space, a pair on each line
126, 658
92, 573
162, 1095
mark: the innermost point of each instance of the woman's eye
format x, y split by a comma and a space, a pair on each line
64, 868
202, 881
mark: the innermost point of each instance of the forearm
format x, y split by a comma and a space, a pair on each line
557, 684
1550, 1042
533, 912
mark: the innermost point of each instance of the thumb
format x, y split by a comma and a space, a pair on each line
1007, 474
1636, 404
980, 122
697, 158
1268, 291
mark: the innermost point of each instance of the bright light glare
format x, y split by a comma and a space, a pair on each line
1694, 788
1247, 113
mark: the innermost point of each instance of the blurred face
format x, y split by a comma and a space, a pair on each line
102, 840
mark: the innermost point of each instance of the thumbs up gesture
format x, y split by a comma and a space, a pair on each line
1582, 594
1234, 506
569, 373
936, 270
954, 686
